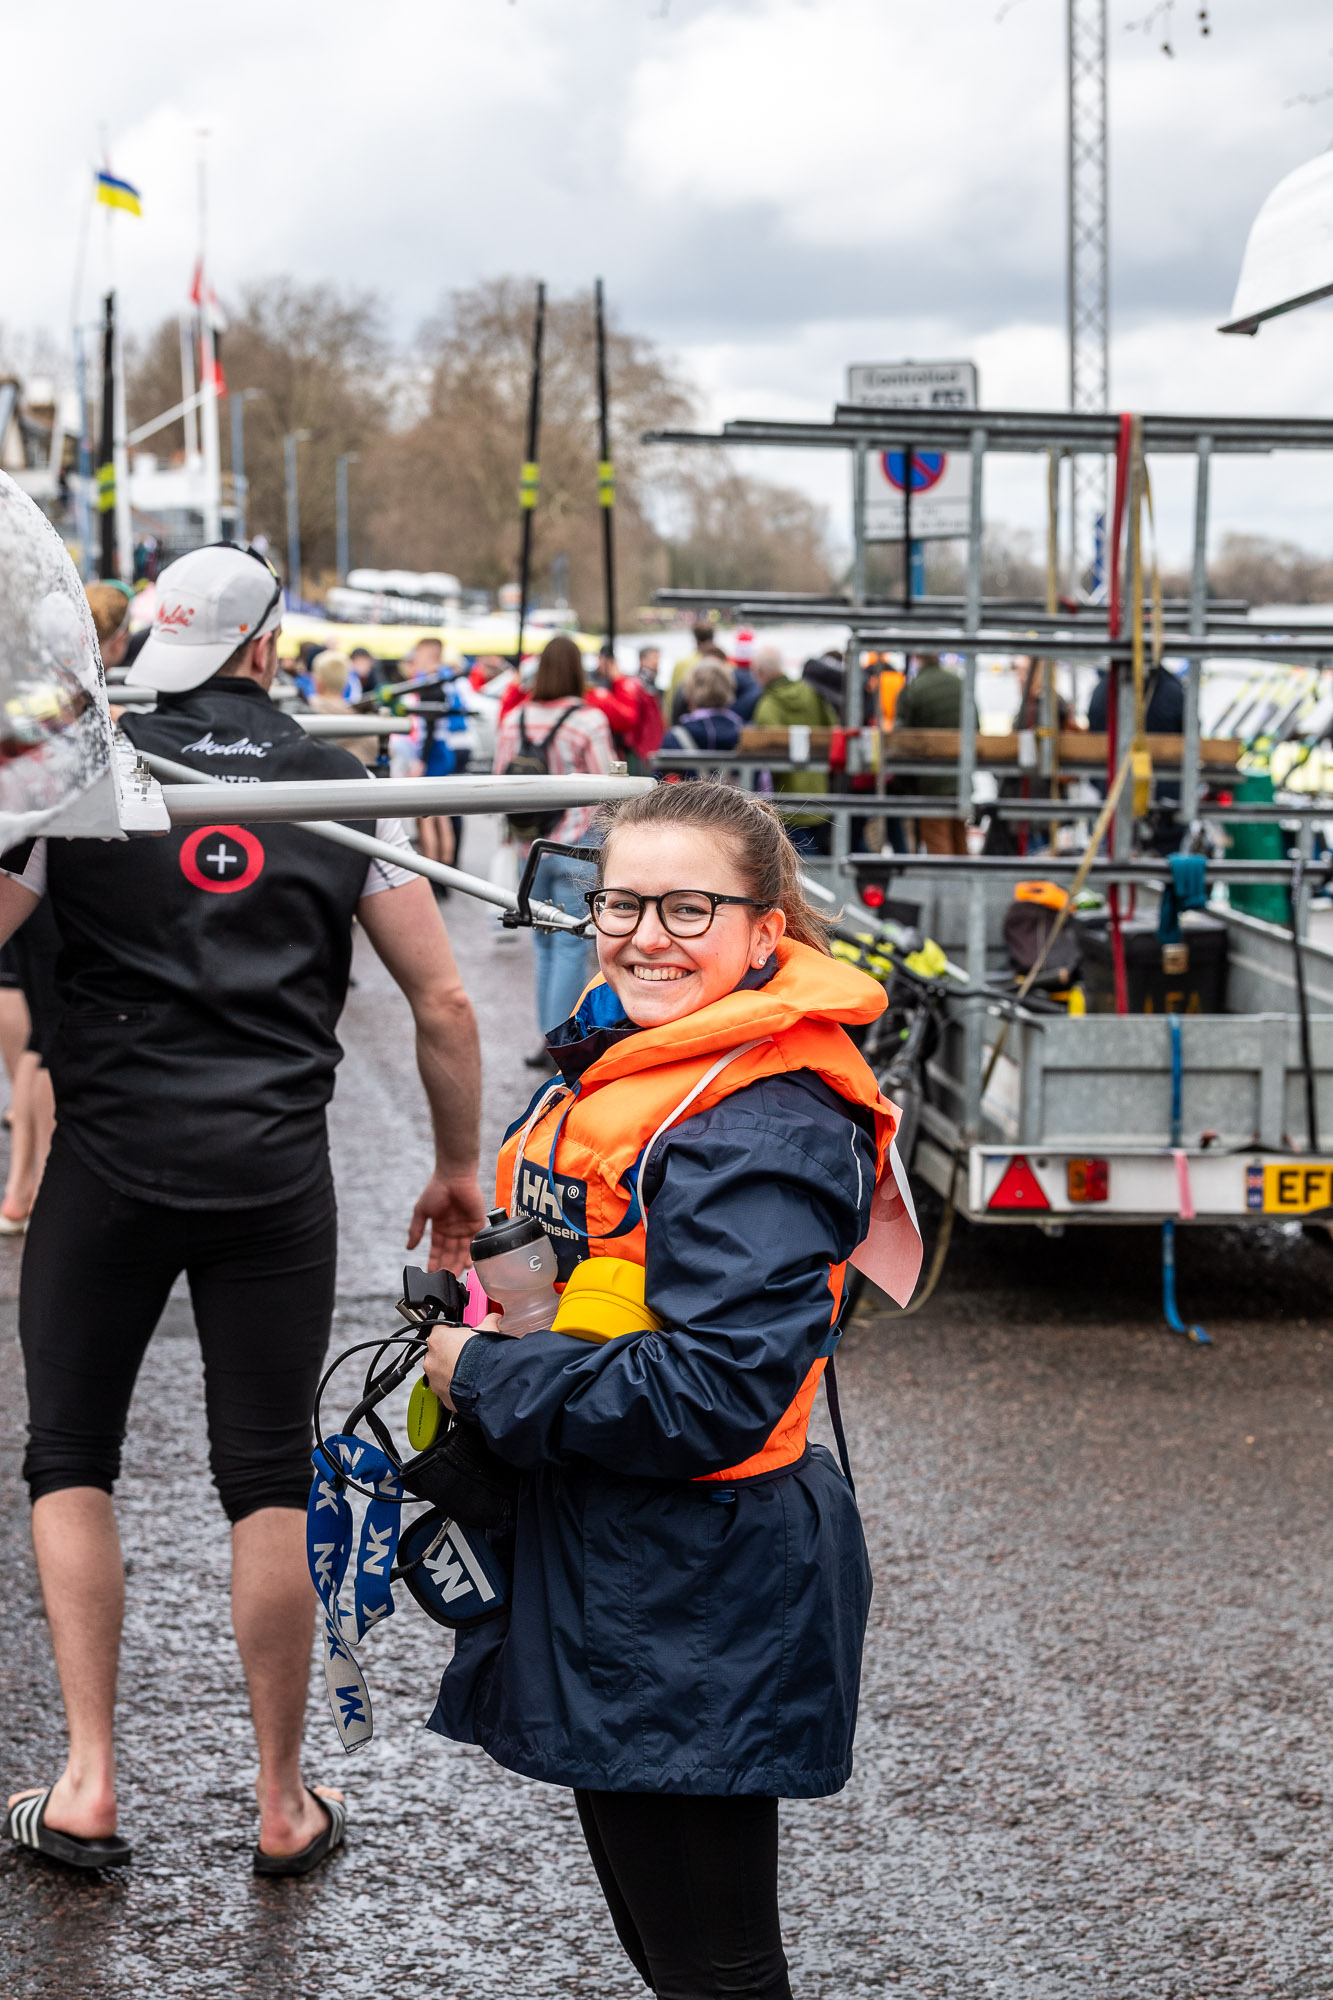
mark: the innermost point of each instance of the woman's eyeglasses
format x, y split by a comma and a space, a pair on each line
682, 913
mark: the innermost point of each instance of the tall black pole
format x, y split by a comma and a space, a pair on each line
531, 474
907, 527
106, 460
606, 474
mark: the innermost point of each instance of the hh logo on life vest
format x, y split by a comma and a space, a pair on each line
561, 1207
222, 859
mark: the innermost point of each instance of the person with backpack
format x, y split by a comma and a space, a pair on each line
555, 733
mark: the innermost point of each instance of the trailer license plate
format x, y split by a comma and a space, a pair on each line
1296, 1189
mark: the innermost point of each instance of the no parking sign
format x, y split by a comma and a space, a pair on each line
941, 480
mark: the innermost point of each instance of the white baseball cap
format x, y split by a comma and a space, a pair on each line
209, 602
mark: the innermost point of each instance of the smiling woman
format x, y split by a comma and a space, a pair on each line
690, 1578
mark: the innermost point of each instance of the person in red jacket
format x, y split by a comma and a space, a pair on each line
631, 710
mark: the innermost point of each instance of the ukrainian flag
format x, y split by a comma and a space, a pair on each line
118, 194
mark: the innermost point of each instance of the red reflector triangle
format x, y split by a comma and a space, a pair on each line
1019, 1187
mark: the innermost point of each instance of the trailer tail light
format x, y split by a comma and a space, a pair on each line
1018, 1188
1088, 1180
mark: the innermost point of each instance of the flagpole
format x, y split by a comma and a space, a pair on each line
83, 506
527, 490
106, 460
208, 409
606, 473
121, 461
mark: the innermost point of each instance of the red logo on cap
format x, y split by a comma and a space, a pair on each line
222, 859
176, 615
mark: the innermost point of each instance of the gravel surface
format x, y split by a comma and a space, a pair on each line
1095, 1722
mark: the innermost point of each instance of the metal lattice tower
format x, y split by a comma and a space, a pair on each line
1088, 245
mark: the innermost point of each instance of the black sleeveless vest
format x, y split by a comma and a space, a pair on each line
203, 973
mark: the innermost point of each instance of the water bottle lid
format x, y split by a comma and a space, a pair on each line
503, 1232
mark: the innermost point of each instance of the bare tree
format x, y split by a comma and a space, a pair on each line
444, 490
734, 532
321, 364
439, 434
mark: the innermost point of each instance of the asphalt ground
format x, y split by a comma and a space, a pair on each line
1094, 1743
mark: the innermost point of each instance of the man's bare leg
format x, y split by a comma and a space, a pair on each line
25, 1139
273, 1617
83, 1583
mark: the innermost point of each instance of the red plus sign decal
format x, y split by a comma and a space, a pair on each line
222, 859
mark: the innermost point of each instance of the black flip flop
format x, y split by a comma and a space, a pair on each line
25, 1824
318, 1850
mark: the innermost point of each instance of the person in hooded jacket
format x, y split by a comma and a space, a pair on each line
690, 1579
709, 721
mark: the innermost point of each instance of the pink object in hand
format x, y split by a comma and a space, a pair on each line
478, 1305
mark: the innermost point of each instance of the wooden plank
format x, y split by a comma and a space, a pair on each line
1080, 748
776, 740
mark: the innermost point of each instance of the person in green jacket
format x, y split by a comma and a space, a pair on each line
783, 703
933, 699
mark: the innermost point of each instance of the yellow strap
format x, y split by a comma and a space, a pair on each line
606, 483
1052, 606
1052, 529
529, 479
1140, 755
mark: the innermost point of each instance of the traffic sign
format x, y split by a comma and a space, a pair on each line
928, 468
913, 385
941, 481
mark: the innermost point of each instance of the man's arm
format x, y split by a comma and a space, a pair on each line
16, 906
404, 926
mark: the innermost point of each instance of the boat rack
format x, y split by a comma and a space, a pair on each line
858, 430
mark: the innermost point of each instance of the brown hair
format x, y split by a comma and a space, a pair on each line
709, 686
759, 843
559, 670
110, 606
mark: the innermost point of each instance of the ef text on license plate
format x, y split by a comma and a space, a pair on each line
1288, 1188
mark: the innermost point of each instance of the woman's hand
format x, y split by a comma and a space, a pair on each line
443, 1349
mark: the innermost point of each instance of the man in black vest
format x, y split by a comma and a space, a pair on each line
203, 975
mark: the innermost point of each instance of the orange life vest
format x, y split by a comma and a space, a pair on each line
642, 1085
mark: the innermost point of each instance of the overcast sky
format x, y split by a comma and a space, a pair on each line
770, 188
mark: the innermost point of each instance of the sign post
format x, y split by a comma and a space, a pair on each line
933, 502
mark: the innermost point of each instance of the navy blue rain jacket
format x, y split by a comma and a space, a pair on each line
664, 1635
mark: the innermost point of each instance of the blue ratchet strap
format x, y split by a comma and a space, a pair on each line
1169, 1306
329, 1531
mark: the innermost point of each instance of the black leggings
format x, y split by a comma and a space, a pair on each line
97, 1268
692, 1887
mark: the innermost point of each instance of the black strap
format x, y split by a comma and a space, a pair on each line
551, 734
835, 1418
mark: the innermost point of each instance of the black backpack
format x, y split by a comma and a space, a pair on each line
532, 760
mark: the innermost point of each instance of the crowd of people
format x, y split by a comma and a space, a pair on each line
707, 1145
190, 1053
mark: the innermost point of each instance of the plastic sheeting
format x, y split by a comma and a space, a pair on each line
55, 733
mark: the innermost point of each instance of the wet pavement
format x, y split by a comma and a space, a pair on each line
1096, 1724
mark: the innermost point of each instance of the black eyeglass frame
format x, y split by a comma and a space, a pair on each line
704, 895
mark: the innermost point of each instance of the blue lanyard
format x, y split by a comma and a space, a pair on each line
328, 1552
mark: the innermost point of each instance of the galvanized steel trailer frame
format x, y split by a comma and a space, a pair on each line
1238, 1067
860, 430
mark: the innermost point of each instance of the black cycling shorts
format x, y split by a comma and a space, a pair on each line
97, 1268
